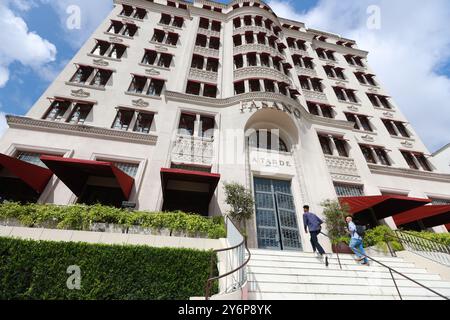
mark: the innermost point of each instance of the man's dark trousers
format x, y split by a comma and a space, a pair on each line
315, 242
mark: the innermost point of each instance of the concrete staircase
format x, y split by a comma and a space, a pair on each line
284, 275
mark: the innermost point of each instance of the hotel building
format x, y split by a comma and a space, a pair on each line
169, 100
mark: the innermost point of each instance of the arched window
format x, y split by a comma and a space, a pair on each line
263, 140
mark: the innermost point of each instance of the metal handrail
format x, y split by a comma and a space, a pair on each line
392, 270
421, 246
215, 253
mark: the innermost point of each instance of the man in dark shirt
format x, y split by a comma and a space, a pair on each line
314, 224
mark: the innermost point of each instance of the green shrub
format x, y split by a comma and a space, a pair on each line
80, 217
376, 237
443, 238
38, 270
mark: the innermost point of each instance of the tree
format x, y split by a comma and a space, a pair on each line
335, 215
241, 202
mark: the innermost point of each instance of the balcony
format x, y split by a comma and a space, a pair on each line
260, 72
203, 75
315, 96
305, 72
204, 51
342, 169
257, 47
193, 150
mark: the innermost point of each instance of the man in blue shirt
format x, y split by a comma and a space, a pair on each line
356, 242
314, 224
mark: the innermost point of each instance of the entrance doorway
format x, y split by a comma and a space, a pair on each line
276, 219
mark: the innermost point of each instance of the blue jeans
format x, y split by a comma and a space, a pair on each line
357, 247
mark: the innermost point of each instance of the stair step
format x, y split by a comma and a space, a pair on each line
279, 280
342, 289
317, 260
304, 296
325, 272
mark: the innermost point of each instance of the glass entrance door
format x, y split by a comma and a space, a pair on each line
276, 219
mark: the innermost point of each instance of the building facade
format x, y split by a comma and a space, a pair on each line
169, 100
441, 159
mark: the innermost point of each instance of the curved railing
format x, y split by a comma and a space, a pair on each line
235, 261
392, 271
427, 248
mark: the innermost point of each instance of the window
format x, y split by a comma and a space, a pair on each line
165, 19
363, 123
269, 85
31, 157
317, 85
238, 61
140, 13
118, 50
82, 75
423, 162
57, 110
214, 43
237, 40
80, 113
248, 20
367, 152
409, 157
251, 59
158, 36
212, 65
325, 144
144, 122
130, 30
193, 88
327, 111
366, 79
347, 190
187, 124
201, 40
207, 125
197, 62
210, 91
313, 108
237, 23
341, 147
123, 120
265, 139
100, 48
165, 60
129, 168
126, 11
149, 57
402, 129
249, 38
155, 88
137, 84
172, 39
255, 86
101, 78
178, 22
382, 156
389, 126
239, 87
115, 27
346, 95
437, 202
216, 26
204, 23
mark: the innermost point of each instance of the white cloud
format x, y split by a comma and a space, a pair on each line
92, 13
413, 42
18, 44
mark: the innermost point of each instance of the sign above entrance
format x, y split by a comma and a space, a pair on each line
280, 106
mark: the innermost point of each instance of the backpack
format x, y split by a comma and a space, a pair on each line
361, 230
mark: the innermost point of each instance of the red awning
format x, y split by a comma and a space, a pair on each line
212, 179
448, 226
431, 216
383, 206
34, 176
74, 173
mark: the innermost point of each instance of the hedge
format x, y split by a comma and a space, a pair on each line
80, 217
38, 270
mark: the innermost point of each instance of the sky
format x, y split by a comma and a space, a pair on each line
408, 43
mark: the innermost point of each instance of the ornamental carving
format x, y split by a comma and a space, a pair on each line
209, 33
352, 108
161, 48
206, 51
306, 71
140, 103
80, 93
202, 75
368, 138
100, 62
152, 72
316, 96
388, 114
406, 144
341, 83
193, 150
168, 29
256, 47
258, 72
343, 167
115, 39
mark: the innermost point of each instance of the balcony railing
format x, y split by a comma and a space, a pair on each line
315, 95
193, 150
341, 166
203, 75
305, 71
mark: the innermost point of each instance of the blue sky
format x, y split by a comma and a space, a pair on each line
410, 52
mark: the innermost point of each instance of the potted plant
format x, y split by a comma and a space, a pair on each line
335, 214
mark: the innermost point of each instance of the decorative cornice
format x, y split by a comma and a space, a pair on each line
409, 173
341, 49
80, 130
257, 96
